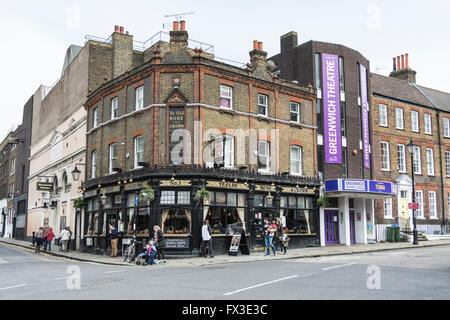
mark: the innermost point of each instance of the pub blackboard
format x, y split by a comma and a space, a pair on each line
177, 243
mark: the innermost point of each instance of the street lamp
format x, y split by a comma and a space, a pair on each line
411, 146
75, 172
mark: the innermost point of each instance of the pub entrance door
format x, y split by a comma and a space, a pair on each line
331, 226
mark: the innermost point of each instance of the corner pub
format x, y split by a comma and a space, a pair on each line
134, 123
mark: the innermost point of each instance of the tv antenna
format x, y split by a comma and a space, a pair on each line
177, 16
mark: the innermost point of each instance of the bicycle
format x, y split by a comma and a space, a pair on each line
130, 253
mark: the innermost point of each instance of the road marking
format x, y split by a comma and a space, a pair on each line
3, 261
64, 278
114, 271
19, 285
339, 266
260, 285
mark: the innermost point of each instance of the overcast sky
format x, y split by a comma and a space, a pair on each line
36, 34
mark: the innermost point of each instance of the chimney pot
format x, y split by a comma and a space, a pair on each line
255, 44
121, 29
116, 28
403, 61
406, 58
183, 25
260, 46
394, 64
175, 26
398, 62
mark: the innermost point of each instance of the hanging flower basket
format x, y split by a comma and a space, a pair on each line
147, 194
78, 203
201, 194
322, 202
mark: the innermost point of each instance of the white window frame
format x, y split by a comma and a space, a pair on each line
228, 151
382, 115
387, 208
430, 161
139, 97
447, 163
419, 200
12, 169
266, 105
432, 204
428, 124
296, 164
95, 118
136, 151
296, 112
94, 164
417, 158
264, 155
401, 158
226, 92
111, 158
114, 108
11, 189
399, 123
415, 121
385, 157
446, 123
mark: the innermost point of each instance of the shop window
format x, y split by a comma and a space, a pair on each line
231, 200
242, 200
258, 200
142, 221
176, 221
95, 223
184, 197
296, 216
220, 198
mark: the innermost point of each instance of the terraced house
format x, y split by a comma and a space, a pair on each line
404, 112
180, 123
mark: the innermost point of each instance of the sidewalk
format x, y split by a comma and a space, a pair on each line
312, 252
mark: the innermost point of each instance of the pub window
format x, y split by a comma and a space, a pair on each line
184, 197
167, 197
298, 214
176, 221
131, 201
226, 212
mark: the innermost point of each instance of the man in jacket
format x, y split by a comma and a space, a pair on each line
114, 236
206, 239
48, 238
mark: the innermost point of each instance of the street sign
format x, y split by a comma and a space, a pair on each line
413, 205
44, 186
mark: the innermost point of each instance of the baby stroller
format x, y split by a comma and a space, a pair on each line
141, 259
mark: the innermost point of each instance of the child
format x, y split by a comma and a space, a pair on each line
38, 238
151, 251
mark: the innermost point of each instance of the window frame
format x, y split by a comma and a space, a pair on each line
94, 164
95, 118
397, 119
111, 159
230, 97
404, 158
430, 163
413, 112
228, 140
419, 160
297, 113
428, 116
430, 206
387, 216
266, 106
447, 163
383, 156
446, 125
267, 148
114, 108
386, 124
420, 213
139, 100
299, 161
135, 153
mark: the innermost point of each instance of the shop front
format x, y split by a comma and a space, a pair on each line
237, 202
349, 216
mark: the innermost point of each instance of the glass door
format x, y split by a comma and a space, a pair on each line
331, 227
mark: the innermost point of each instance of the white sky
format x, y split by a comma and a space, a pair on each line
36, 34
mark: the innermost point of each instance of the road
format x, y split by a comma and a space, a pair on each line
422, 273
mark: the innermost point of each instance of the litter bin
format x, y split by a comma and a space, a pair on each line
390, 234
397, 234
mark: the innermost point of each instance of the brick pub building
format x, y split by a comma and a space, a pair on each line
176, 120
341, 77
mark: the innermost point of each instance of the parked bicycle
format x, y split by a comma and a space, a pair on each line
130, 253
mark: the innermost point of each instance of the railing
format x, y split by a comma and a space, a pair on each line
231, 62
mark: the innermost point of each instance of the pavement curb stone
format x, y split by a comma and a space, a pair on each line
190, 262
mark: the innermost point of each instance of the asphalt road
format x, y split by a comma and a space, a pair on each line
422, 273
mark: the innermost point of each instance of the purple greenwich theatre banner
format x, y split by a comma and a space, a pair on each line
331, 108
365, 116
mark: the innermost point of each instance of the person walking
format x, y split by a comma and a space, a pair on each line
114, 236
158, 238
45, 230
38, 239
48, 238
269, 232
65, 236
206, 239
70, 238
284, 239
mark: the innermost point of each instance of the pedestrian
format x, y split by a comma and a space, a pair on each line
152, 251
284, 239
158, 238
70, 238
65, 236
276, 243
269, 232
48, 237
206, 240
114, 236
45, 230
39, 240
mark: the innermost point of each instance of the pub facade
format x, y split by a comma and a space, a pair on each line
207, 140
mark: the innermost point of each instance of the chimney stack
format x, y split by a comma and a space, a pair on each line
403, 72
179, 38
122, 51
258, 58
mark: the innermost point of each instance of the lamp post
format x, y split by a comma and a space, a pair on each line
411, 147
76, 172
